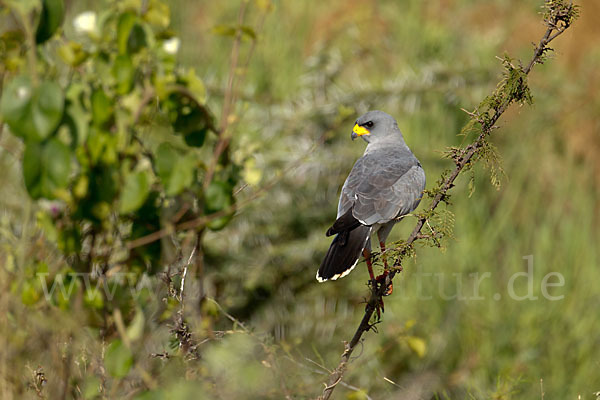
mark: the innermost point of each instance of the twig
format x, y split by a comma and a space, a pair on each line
319, 372
229, 316
185, 268
317, 364
146, 99
385, 378
181, 330
555, 28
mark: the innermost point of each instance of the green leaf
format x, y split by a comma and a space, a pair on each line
92, 387
45, 222
195, 138
219, 223
30, 293
417, 345
93, 298
248, 32
57, 165
32, 169
176, 172
231, 31
131, 36
46, 168
69, 241
218, 196
224, 30
195, 86
158, 14
359, 394
51, 18
189, 118
23, 6
73, 54
16, 106
135, 192
101, 147
182, 175
77, 117
152, 395
32, 114
136, 327
118, 359
103, 187
48, 108
166, 157
145, 221
11, 42
102, 108
123, 72
124, 26
136, 40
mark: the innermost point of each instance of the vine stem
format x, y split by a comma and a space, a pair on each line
466, 157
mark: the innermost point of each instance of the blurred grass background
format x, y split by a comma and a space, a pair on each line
316, 67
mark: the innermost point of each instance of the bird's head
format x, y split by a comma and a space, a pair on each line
376, 126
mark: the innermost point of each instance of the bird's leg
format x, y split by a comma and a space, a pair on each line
381, 278
367, 255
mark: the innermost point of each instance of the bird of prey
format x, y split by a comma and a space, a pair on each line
385, 184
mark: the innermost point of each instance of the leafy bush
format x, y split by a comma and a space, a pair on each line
117, 141
116, 133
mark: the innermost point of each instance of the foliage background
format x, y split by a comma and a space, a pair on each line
315, 68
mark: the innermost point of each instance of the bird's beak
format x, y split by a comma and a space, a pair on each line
359, 131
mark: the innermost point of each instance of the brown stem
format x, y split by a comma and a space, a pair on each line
466, 157
146, 99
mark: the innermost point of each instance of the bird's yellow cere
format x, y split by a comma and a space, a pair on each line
360, 130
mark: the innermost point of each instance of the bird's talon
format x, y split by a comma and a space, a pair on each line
379, 309
372, 327
381, 280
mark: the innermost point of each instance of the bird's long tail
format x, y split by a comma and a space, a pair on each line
344, 252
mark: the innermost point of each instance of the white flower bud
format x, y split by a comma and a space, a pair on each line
85, 22
171, 46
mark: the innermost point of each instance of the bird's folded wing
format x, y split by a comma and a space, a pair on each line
381, 187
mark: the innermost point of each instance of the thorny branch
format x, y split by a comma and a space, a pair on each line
180, 328
558, 16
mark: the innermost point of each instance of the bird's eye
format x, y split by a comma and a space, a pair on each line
369, 124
